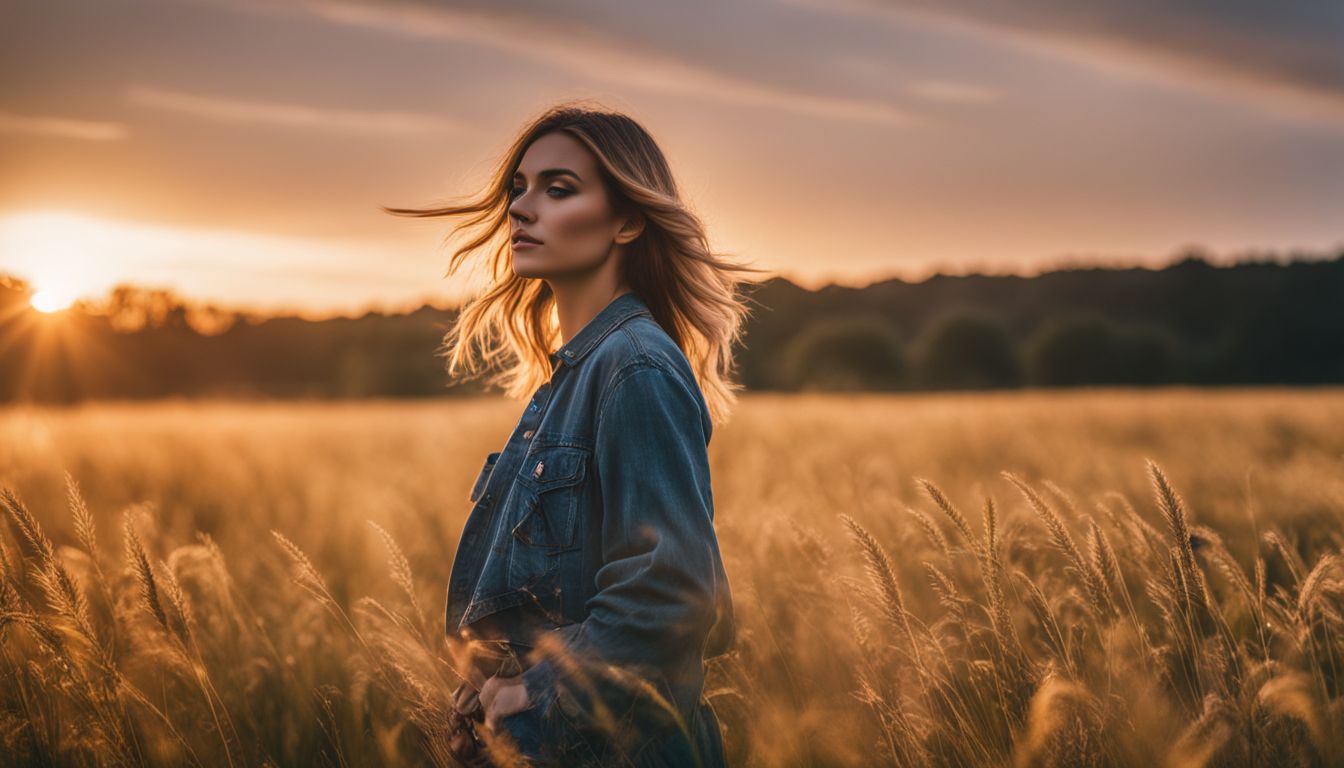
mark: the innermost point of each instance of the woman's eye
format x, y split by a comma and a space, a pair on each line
516, 191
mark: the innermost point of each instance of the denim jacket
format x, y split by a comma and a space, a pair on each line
595, 522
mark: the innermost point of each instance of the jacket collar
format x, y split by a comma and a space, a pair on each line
620, 309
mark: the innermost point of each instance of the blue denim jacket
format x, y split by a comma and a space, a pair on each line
595, 522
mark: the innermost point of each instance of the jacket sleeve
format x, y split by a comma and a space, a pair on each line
656, 589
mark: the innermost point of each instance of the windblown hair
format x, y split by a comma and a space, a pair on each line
512, 326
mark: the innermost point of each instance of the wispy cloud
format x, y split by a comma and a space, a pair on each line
953, 92
62, 127
561, 37
1286, 54
359, 122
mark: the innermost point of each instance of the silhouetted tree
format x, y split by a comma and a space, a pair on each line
967, 349
1088, 349
858, 352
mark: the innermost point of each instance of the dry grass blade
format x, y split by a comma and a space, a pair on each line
991, 575
1104, 564
52, 577
1045, 618
1316, 583
940, 499
306, 567
932, 530
813, 546
149, 588
948, 595
178, 600
28, 526
883, 576
1290, 697
1173, 511
1225, 563
1058, 725
401, 569
84, 524
1290, 556
1063, 541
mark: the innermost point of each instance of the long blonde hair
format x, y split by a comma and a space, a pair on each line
692, 291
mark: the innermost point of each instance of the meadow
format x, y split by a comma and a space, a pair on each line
1030, 578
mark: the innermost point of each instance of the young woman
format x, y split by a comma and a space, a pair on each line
589, 560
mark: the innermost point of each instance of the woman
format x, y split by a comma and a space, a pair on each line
590, 558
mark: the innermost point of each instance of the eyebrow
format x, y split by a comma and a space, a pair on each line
549, 172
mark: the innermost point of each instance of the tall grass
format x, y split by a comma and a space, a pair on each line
257, 602
1104, 662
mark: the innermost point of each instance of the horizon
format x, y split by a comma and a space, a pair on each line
57, 304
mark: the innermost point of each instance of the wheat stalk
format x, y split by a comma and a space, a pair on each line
945, 504
1063, 541
932, 530
149, 588
883, 576
401, 571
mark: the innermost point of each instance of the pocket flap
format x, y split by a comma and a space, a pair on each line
554, 466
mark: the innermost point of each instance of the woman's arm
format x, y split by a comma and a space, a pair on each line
656, 599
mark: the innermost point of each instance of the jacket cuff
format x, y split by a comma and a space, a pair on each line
539, 681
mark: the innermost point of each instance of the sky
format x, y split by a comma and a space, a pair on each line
237, 151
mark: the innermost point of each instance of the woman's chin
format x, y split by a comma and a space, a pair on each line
531, 271
527, 266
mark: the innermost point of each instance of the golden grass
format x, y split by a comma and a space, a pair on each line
1151, 579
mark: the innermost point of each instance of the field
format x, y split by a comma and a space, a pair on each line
1104, 577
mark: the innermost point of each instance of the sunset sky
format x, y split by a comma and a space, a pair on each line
238, 150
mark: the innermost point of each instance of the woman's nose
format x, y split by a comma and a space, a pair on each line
519, 211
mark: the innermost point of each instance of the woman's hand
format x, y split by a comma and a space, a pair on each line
501, 697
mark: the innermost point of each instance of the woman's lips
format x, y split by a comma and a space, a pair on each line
521, 244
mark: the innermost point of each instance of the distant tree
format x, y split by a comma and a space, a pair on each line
1086, 349
967, 349
129, 308
848, 353
14, 292
1146, 355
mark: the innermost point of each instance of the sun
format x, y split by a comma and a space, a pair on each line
51, 301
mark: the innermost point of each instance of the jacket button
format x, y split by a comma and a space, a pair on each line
527, 435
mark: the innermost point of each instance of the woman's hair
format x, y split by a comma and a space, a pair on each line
692, 291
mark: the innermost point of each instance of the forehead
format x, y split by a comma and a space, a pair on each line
558, 150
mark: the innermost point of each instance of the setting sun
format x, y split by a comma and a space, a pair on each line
51, 301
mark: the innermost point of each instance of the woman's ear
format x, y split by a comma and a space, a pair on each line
631, 229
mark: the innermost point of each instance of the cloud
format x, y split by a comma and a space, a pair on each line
596, 45
1288, 53
358, 122
953, 92
66, 128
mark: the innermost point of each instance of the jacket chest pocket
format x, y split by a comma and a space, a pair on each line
550, 484
544, 525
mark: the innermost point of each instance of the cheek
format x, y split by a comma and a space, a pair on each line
582, 223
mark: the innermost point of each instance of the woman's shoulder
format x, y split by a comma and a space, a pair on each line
641, 342
641, 364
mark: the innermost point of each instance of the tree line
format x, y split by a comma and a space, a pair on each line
1252, 323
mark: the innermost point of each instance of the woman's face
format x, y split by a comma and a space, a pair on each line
559, 199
